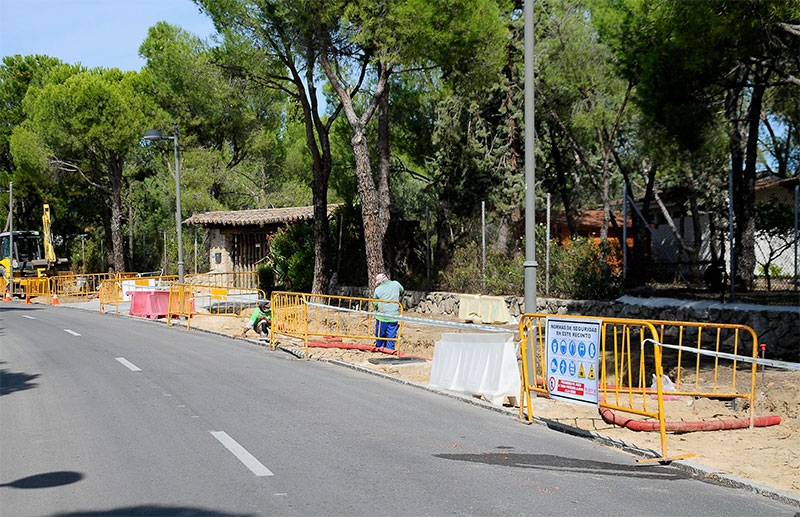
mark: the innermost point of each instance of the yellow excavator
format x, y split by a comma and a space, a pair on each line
27, 262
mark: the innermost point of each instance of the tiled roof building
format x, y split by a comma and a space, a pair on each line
239, 239
257, 217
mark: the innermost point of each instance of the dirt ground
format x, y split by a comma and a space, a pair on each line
769, 456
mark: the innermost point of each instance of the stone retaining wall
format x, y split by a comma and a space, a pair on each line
777, 326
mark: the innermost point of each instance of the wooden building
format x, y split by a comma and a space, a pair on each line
239, 239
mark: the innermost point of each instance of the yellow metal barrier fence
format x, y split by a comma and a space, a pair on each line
37, 287
110, 293
702, 342
187, 300
623, 361
78, 286
694, 353
347, 320
181, 303
27, 287
117, 289
290, 315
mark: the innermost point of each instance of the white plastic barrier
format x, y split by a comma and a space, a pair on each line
135, 284
477, 364
483, 309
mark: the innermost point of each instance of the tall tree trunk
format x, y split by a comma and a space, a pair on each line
744, 149
105, 215
370, 210
117, 254
319, 189
384, 201
748, 194
318, 142
374, 198
130, 223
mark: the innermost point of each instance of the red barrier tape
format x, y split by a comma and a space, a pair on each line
337, 343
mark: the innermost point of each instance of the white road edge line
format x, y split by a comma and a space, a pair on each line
29, 317
68, 331
132, 367
255, 466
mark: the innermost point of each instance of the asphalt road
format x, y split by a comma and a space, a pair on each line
108, 415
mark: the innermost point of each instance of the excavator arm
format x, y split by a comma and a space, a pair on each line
49, 249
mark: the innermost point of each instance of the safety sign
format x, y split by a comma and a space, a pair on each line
572, 358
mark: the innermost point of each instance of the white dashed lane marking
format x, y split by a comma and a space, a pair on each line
132, 367
255, 466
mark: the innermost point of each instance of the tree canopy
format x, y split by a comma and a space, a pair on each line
401, 106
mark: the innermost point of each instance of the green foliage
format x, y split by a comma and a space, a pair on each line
504, 274
581, 270
772, 271
90, 250
421, 33
17, 75
774, 218
292, 257
266, 278
456, 130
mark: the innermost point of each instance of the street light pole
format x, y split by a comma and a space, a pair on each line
178, 221
530, 264
154, 135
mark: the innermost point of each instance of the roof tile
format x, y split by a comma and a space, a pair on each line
257, 217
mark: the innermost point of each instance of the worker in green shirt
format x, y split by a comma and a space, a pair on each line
260, 320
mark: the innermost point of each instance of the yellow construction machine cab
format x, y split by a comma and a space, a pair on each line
28, 259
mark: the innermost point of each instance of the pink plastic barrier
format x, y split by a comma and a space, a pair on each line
149, 303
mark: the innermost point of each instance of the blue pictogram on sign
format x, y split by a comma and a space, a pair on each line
554, 366
563, 367
554, 346
572, 348
572, 368
592, 350
581, 349
563, 347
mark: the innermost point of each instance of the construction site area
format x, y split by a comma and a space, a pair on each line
766, 455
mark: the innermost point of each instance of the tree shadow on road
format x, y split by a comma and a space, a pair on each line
150, 510
564, 464
11, 382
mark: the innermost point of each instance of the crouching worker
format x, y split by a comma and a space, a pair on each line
260, 320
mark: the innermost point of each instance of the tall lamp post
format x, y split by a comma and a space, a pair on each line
154, 135
530, 264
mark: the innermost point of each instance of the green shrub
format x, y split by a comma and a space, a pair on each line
504, 274
266, 278
292, 257
580, 270
772, 271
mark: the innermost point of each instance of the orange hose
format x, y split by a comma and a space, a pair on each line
610, 417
